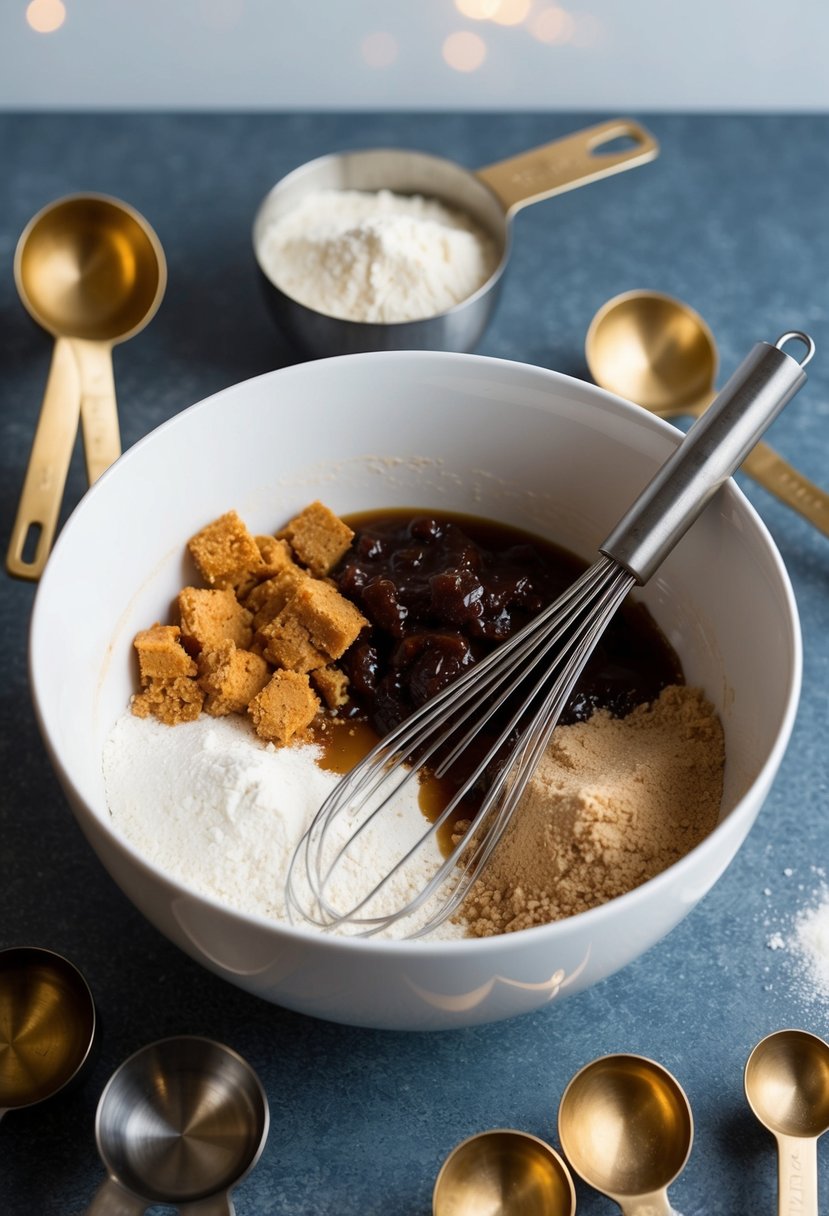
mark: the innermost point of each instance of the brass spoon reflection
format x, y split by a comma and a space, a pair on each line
47, 1025
503, 1173
625, 1126
787, 1087
658, 352
92, 272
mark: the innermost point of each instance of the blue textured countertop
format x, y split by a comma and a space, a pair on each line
733, 218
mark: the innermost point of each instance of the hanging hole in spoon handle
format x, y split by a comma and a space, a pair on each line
566, 163
40, 499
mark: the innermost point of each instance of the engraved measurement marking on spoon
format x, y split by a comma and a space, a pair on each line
801, 492
544, 174
796, 1200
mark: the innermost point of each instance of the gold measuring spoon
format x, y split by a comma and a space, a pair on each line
47, 1025
626, 1128
503, 1173
787, 1087
92, 272
658, 352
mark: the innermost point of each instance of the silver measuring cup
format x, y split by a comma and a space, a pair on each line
490, 196
180, 1122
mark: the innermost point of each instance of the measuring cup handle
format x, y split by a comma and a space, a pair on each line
566, 163
112, 1199
43, 486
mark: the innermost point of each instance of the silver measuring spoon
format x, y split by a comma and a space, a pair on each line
181, 1122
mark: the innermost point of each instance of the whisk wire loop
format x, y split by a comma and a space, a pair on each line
553, 642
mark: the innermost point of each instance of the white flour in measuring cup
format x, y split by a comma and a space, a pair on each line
376, 256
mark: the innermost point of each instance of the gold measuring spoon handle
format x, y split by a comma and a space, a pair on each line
99, 410
769, 470
566, 163
51, 453
112, 1199
214, 1205
656, 1204
797, 1175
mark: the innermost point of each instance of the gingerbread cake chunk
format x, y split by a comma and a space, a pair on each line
161, 654
332, 685
284, 708
175, 700
231, 678
212, 616
318, 537
225, 552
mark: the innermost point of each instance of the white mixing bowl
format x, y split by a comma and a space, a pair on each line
457, 432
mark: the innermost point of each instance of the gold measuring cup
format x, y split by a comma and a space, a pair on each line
47, 1025
92, 272
787, 1087
658, 352
626, 1128
503, 1173
491, 197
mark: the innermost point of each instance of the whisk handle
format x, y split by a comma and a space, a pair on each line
713, 449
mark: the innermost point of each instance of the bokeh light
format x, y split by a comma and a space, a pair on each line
379, 50
553, 25
512, 12
478, 10
464, 51
46, 16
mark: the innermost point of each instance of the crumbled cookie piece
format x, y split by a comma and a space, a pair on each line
231, 678
332, 685
175, 700
210, 617
225, 552
161, 654
285, 707
267, 599
318, 537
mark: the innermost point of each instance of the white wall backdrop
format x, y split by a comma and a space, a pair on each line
415, 54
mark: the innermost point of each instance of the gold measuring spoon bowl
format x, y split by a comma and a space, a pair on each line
91, 271
626, 1128
503, 1173
787, 1087
47, 1025
657, 351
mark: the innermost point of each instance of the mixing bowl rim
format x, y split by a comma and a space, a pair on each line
601, 398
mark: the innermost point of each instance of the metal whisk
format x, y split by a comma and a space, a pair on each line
524, 685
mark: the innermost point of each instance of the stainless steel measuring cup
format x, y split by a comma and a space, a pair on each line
181, 1122
491, 197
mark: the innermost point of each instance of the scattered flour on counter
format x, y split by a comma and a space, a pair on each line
376, 257
805, 940
212, 805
